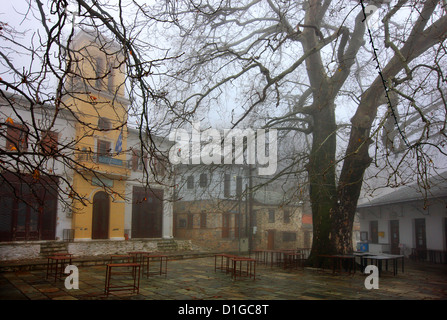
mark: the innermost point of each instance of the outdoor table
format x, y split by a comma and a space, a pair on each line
396, 257
363, 258
282, 255
268, 256
223, 266
159, 257
138, 255
304, 251
259, 255
135, 275
56, 261
337, 261
437, 256
250, 267
121, 257
65, 254
272, 256
292, 259
387, 257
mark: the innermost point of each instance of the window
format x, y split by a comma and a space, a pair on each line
138, 161
227, 184
103, 150
110, 77
190, 182
159, 166
104, 124
286, 216
99, 72
203, 180
203, 219
48, 145
182, 223
17, 137
238, 186
288, 236
271, 215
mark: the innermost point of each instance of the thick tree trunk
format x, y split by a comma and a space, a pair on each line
321, 171
349, 188
334, 208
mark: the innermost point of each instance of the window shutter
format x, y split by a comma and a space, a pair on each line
17, 138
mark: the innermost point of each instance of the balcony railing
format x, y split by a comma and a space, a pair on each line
109, 160
103, 159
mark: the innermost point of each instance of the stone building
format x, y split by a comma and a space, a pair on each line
216, 211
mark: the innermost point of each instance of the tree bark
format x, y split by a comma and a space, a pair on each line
321, 171
357, 158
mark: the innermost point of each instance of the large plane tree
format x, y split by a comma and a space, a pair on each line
341, 73
307, 66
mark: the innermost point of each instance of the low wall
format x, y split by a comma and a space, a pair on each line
105, 247
32, 250
19, 250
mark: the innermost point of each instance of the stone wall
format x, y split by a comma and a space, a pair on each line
17, 251
285, 233
33, 250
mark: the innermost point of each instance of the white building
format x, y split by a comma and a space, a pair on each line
26, 162
149, 206
407, 221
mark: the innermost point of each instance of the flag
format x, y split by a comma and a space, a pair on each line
119, 143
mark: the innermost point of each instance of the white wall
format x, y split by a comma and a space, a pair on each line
138, 178
64, 126
406, 214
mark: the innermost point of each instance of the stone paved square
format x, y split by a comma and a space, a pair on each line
196, 279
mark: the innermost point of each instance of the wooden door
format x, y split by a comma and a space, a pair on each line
100, 219
26, 226
28, 209
394, 231
147, 213
421, 242
374, 231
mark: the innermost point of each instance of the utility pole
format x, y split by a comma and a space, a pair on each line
249, 197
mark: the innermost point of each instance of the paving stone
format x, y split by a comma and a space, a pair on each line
195, 279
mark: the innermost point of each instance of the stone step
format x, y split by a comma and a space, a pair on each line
167, 245
50, 248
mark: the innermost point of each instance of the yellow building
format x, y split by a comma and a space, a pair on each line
99, 104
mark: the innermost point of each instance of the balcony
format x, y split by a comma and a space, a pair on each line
103, 163
109, 160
